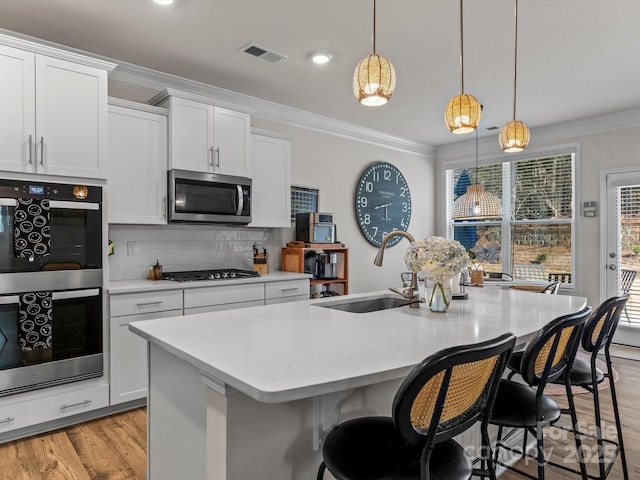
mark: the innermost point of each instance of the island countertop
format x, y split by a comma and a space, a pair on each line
278, 353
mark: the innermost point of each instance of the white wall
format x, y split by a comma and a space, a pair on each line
334, 164
603, 143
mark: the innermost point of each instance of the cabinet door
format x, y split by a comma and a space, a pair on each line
128, 358
71, 118
232, 142
17, 122
137, 181
191, 135
271, 188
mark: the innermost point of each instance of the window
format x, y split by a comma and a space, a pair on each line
534, 240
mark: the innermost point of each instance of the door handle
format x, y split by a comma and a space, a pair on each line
613, 267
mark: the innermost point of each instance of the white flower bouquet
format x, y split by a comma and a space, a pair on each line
439, 259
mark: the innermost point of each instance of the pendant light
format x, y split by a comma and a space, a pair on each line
374, 79
477, 203
515, 135
463, 112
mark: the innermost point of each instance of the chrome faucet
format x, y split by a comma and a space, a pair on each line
411, 292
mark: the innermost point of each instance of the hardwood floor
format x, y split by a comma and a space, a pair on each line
111, 448
114, 448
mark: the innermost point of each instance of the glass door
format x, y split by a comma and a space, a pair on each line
622, 249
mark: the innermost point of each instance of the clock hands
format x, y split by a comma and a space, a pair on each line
386, 210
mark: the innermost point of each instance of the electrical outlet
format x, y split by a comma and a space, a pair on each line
132, 249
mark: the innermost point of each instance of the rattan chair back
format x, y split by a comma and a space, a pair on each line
553, 348
450, 390
602, 324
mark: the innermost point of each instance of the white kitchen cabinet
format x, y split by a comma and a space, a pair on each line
224, 297
204, 137
286, 291
271, 187
32, 408
128, 353
54, 111
137, 180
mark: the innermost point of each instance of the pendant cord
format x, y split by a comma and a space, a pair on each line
374, 27
515, 62
476, 180
461, 51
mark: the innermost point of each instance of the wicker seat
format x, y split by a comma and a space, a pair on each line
518, 405
441, 397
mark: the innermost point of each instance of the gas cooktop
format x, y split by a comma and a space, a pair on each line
196, 275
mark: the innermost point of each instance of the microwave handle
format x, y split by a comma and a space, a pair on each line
240, 200
62, 295
12, 202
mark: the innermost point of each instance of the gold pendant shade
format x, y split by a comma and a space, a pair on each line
477, 204
374, 80
514, 136
463, 114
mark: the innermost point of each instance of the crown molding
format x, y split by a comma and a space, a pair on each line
153, 81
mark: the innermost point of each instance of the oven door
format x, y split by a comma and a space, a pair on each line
75, 351
76, 238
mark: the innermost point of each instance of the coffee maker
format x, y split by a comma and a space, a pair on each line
322, 265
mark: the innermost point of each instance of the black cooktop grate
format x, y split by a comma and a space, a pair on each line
221, 274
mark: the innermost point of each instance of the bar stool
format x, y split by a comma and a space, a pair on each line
518, 405
441, 397
597, 336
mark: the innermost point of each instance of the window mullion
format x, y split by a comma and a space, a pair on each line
506, 216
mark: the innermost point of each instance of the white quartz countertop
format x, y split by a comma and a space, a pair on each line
284, 352
137, 286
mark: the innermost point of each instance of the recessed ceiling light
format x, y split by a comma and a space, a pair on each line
164, 3
321, 58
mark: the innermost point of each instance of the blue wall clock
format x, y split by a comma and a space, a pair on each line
383, 203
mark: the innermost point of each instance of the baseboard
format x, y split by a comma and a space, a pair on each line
625, 351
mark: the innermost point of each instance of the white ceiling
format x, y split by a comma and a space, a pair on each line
576, 58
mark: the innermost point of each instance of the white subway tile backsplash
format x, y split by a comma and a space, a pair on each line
188, 247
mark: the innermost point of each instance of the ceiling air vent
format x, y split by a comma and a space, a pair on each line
263, 53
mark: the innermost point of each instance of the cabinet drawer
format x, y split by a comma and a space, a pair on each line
24, 413
147, 302
297, 298
221, 307
202, 297
289, 288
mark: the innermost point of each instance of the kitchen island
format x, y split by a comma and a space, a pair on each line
250, 393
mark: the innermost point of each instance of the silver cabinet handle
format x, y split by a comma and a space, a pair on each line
7, 420
148, 304
42, 151
211, 157
218, 157
30, 149
79, 404
289, 289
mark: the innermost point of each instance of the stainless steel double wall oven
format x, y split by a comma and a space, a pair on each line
51, 284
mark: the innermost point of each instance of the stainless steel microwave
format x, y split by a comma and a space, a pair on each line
198, 197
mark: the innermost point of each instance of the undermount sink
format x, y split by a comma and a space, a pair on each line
365, 305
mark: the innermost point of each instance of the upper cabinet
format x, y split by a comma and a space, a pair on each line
137, 180
271, 186
54, 111
204, 137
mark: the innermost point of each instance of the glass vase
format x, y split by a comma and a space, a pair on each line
438, 295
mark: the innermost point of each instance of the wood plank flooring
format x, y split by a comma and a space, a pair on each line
114, 448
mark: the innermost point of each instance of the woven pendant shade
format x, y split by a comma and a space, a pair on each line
374, 80
514, 136
477, 204
463, 114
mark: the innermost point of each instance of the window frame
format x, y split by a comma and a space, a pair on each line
506, 223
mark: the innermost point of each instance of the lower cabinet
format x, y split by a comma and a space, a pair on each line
26, 410
226, 297
286, 291
128, 354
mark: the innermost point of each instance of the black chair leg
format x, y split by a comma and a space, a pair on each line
576, 433
616, 413
540, 446
321, 470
